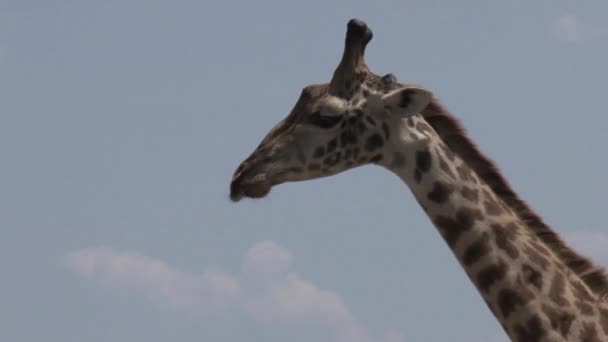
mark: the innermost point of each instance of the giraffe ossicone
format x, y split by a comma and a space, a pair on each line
536, 286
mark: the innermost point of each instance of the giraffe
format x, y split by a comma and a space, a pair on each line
537, 287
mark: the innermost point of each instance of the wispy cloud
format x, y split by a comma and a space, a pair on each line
211, 291
267, 289
570, 29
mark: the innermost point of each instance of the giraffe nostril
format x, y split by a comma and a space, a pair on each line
235, 193
249, 181
236, 190
255, 187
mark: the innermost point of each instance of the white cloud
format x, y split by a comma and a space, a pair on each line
211, 291
268, 289
568, 28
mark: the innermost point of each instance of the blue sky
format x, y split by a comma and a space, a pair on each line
121, 123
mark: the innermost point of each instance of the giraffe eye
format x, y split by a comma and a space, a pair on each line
324, 121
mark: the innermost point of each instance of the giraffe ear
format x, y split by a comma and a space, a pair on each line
407, 100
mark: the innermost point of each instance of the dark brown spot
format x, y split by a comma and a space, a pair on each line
505, 239
565, 324
531, 331
333, 159
440, 192
348, 137
469, 194
490, 275
338, 156
406, 97
331, 146
347, 154
452, 228
423, 160
560, 320
319, 152
476, 250
477, 214
374, 142
509, 300
532, 276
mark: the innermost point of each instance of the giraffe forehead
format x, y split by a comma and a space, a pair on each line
353, 91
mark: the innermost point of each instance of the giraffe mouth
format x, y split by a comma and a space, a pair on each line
251, 187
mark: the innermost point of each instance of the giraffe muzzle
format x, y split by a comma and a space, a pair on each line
248, 184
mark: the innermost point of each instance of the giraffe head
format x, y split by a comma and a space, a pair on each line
323, 136
333, 127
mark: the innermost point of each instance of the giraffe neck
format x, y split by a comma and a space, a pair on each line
530, 292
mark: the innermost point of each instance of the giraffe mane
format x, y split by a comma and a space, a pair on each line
455, 137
